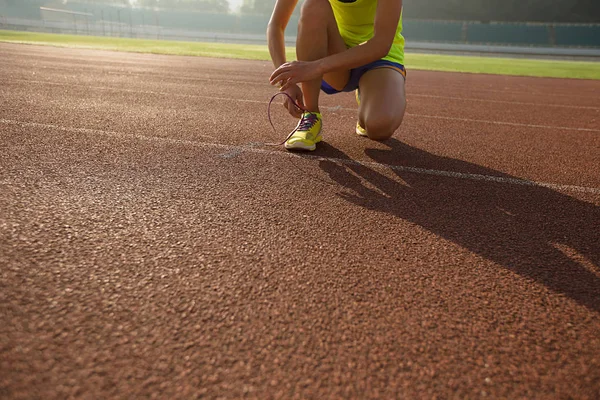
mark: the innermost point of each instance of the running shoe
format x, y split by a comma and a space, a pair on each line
359, 129
307, 133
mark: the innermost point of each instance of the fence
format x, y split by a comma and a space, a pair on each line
87, 18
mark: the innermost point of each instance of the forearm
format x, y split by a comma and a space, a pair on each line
276, 44
365, 53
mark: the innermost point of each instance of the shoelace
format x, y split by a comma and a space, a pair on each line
305, 122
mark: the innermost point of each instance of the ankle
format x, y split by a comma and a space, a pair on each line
317, 113
314, 110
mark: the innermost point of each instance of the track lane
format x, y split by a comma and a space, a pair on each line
134, 266
517, 149
575, 117
114, 243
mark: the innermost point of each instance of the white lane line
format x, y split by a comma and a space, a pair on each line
253, 148
108, 88
335, 108
162, 77
510, 91
83, 130
484, 121
524, 103
569, 106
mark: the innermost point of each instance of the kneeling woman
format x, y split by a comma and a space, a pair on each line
342, 46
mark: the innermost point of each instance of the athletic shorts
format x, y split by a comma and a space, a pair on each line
356, 73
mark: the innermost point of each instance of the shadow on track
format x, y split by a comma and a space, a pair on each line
536, 232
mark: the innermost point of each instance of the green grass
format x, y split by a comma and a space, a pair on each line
432, 62
505, 66
250, 52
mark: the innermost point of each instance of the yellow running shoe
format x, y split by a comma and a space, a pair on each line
359, 129
307, 133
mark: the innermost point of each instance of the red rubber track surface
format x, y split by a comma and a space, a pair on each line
152, 245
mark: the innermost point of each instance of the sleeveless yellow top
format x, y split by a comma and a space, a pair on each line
355, 22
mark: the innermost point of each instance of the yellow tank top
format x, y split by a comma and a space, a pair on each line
355, 22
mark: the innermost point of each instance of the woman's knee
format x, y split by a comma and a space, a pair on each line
313, 11
381, 127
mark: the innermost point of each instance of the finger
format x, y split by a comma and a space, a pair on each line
299, 106
283, 68
286, 104
287, 84
300, 100
291, 108
283, 76
294, 111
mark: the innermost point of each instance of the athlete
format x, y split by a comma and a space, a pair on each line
342, 46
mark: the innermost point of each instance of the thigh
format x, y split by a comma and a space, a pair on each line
335, 44
382, 97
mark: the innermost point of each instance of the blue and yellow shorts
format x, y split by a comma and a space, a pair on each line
357, 73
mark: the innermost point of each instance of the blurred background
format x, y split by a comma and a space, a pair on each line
532, 23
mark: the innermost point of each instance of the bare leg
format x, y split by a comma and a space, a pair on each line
318, 37
382, 102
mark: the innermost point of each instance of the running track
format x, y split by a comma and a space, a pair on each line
152, 245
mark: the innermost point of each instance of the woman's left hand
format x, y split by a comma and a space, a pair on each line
291, 73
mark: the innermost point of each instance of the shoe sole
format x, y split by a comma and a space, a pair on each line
303, 146
360, 132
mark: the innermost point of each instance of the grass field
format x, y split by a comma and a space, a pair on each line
433, 62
